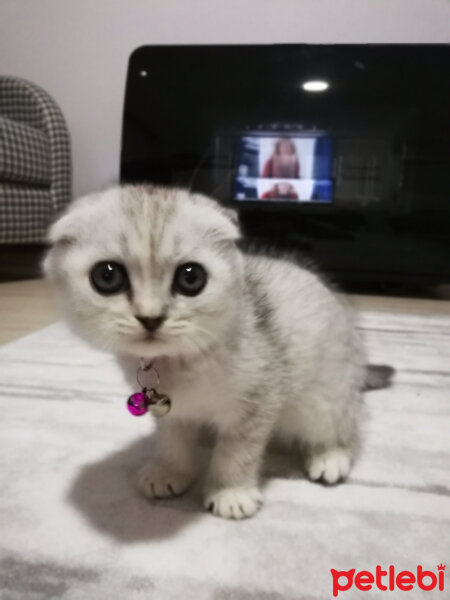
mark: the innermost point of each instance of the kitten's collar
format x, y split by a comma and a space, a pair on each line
149, 399
146, 365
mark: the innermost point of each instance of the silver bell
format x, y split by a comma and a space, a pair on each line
160, 406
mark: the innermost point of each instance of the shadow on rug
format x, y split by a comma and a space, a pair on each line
105, 493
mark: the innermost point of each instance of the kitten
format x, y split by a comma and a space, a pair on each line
255, 347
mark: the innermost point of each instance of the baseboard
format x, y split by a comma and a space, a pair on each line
21, 261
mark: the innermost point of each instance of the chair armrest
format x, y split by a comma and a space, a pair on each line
27, 103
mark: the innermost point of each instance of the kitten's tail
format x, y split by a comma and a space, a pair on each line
378, 377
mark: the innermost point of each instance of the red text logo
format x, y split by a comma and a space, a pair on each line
388, 579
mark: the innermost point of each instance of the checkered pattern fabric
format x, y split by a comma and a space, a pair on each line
25, 214
35, 161
24, 154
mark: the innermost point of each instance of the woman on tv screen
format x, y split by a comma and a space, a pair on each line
284, 161
281, 191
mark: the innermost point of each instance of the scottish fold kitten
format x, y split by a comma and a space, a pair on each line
255, 347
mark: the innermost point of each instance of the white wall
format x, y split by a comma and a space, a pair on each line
78, 49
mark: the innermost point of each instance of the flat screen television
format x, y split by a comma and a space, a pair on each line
342, 151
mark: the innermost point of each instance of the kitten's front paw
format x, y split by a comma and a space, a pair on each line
234, 503
329, 466
157, 481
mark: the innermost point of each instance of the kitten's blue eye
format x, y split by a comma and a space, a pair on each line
190, 279
109, 278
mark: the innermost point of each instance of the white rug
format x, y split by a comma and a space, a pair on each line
72, 525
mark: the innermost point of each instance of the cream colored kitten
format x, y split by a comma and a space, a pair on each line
253, 346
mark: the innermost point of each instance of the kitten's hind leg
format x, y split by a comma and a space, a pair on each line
329, 466
325, 425
172, 470
332, 441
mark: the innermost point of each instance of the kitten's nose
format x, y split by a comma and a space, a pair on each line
151, 323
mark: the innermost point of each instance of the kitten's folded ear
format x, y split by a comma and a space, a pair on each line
220, 223
224, 226
62, 231
230, 229
61, 234
231, 214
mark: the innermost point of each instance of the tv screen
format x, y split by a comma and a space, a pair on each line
280, 167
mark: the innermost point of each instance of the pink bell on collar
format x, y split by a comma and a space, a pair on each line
137, 403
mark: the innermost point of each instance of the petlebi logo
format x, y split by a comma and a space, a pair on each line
388, 579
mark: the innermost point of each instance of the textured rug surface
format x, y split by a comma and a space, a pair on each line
73, 526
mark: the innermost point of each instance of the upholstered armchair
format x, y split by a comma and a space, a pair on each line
35, 162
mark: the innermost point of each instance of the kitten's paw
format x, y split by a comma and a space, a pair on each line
234, 503
157, 481
329, 466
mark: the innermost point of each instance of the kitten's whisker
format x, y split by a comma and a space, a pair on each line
206, 332
197, 168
